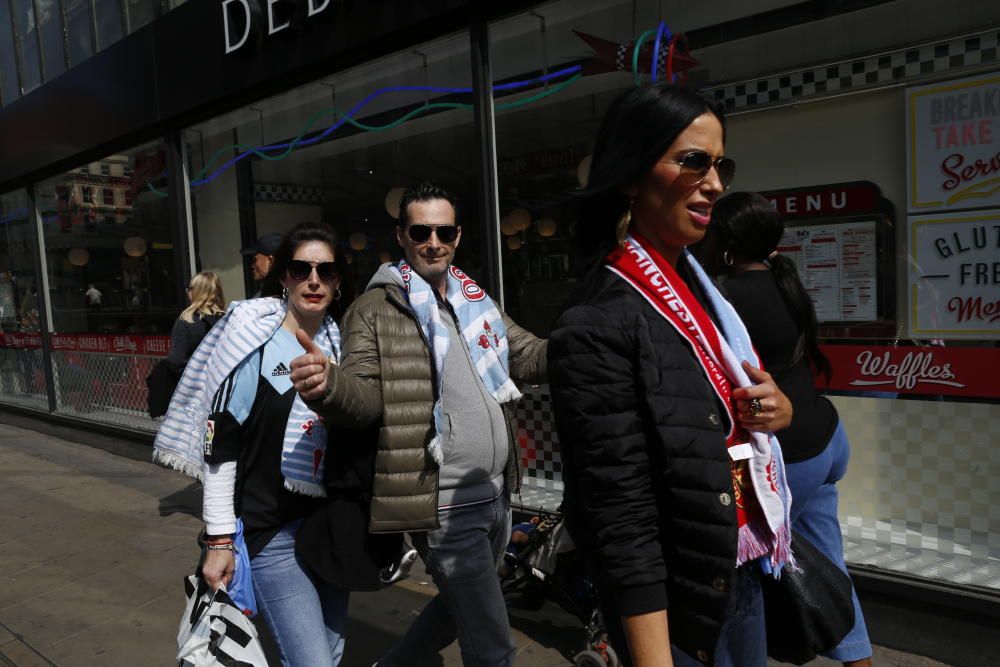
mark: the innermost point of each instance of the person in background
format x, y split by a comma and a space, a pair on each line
430, 364
672, 482
206, 304
237, 417
764, 286
262, 252
93, 297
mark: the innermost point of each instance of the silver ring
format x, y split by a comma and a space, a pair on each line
755, 407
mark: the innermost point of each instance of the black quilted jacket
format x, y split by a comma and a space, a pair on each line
648, 486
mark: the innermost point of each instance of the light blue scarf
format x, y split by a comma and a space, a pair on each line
481, 328
246, 326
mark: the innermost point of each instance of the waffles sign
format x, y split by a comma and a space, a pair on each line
953, 146
954, 276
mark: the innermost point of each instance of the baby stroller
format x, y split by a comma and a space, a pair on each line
541, 564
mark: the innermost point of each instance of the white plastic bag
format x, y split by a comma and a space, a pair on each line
213, 631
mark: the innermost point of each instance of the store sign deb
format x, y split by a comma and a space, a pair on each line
247, 21
953, 144
954, 275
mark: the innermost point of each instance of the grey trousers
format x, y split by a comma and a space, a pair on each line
462, 556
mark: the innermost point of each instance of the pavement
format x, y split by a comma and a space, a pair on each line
94, 547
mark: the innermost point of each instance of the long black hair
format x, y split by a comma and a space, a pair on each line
749, 229
304, 233
638, 128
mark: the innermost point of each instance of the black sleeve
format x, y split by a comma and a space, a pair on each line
179, 343
231, 406
593, 366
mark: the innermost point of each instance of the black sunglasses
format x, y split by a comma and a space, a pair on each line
299, 269
699, 163
421, 233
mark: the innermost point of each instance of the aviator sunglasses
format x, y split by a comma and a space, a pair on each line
299, 269
699, 163
421, 233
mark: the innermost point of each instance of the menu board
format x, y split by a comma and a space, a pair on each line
837, 265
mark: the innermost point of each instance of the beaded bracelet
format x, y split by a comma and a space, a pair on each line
225, 546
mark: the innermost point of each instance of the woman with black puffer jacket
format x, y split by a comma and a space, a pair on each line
672, 482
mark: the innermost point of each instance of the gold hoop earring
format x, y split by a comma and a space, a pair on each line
727, 258
621, 228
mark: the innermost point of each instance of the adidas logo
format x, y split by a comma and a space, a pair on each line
280, 369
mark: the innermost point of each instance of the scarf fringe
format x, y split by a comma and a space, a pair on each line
434, 447
508, 394
179, 463
305, 488
754, 541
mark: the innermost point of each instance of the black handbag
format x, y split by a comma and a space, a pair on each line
808, 610
161, 383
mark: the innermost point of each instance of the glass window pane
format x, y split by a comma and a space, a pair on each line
22, 378
10, 90
115, 282
26, 43
141, 12
109, 22
78, 28
51, 31
339, 172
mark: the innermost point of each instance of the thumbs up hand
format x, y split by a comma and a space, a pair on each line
310, 370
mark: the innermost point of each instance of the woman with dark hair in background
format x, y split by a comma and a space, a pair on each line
763, 285
264, 450
671, 479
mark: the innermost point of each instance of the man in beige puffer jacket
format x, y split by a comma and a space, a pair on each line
459, 511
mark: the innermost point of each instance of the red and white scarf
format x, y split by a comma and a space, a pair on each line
762, 505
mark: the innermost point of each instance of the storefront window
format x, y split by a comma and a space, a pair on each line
141, 12
22, 378
338, 151
544, 132
115, 282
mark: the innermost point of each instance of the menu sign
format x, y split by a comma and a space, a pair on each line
837, 266
954, 276
953, 144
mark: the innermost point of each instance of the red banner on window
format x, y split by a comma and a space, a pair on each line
156, 346
931, 370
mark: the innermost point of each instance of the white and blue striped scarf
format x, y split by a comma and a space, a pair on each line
246, 326
482, 329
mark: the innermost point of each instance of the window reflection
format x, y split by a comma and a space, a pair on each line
26, 43
109, 245
110, 27
50, 28
80, 38
10, 89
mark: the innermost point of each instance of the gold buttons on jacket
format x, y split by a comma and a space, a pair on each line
702, 656
714, 418
719, 584
725, 499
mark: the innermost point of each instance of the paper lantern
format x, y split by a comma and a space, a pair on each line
546, 227
78, 256
514, 242
392, 202
358, 241
507, 226
583, 170
520, 218
135, 246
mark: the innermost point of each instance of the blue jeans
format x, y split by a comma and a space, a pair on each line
813, 483
306, 615
743, 639
462, 556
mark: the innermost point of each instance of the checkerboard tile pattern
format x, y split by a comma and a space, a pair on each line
292, 194
916, 498
877, 70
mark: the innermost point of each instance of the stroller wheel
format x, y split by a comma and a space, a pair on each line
612, 656
589, 658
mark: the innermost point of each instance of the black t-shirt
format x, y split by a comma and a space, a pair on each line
250, 417
775, 334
